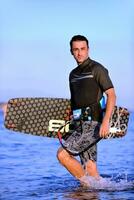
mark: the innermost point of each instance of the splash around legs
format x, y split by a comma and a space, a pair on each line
75, 167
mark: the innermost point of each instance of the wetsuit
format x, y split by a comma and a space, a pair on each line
88, 81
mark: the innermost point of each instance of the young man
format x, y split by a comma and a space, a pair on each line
88, 81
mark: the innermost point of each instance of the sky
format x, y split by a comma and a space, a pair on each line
35, 59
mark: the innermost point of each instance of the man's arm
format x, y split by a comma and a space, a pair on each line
111, 99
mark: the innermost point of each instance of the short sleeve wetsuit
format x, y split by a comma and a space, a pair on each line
88, 81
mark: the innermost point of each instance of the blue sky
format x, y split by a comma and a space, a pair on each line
35, 58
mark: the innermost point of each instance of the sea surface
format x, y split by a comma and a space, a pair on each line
29, 169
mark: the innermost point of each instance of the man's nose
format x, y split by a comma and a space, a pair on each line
79, 51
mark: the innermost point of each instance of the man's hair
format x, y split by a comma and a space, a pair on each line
78, 38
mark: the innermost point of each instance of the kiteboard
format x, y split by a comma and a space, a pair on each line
46, 116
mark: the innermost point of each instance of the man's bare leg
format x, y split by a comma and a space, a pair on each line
74, 166
70, 163
91, 169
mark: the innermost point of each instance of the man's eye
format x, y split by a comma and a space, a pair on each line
75, 49
83, 48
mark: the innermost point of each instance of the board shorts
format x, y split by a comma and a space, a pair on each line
82, 141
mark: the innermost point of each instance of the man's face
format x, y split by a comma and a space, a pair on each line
80, 51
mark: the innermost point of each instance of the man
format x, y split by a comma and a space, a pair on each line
88, 81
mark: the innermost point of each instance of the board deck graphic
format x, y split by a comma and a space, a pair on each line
36, 115
44, 117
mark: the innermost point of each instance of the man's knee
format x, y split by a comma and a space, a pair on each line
62, 155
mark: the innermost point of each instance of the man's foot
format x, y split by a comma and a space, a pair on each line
84, 181
89, 180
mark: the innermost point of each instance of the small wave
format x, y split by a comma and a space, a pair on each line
119, 182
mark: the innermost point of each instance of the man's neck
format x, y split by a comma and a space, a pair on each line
80, 63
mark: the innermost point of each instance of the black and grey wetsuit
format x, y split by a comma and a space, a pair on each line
88, 81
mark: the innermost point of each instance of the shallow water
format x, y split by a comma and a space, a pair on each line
29, 169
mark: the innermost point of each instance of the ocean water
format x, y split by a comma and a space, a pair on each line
29, 169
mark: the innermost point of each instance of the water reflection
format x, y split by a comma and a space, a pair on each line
82, 194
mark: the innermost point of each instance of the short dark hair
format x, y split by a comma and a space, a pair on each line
78, 38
